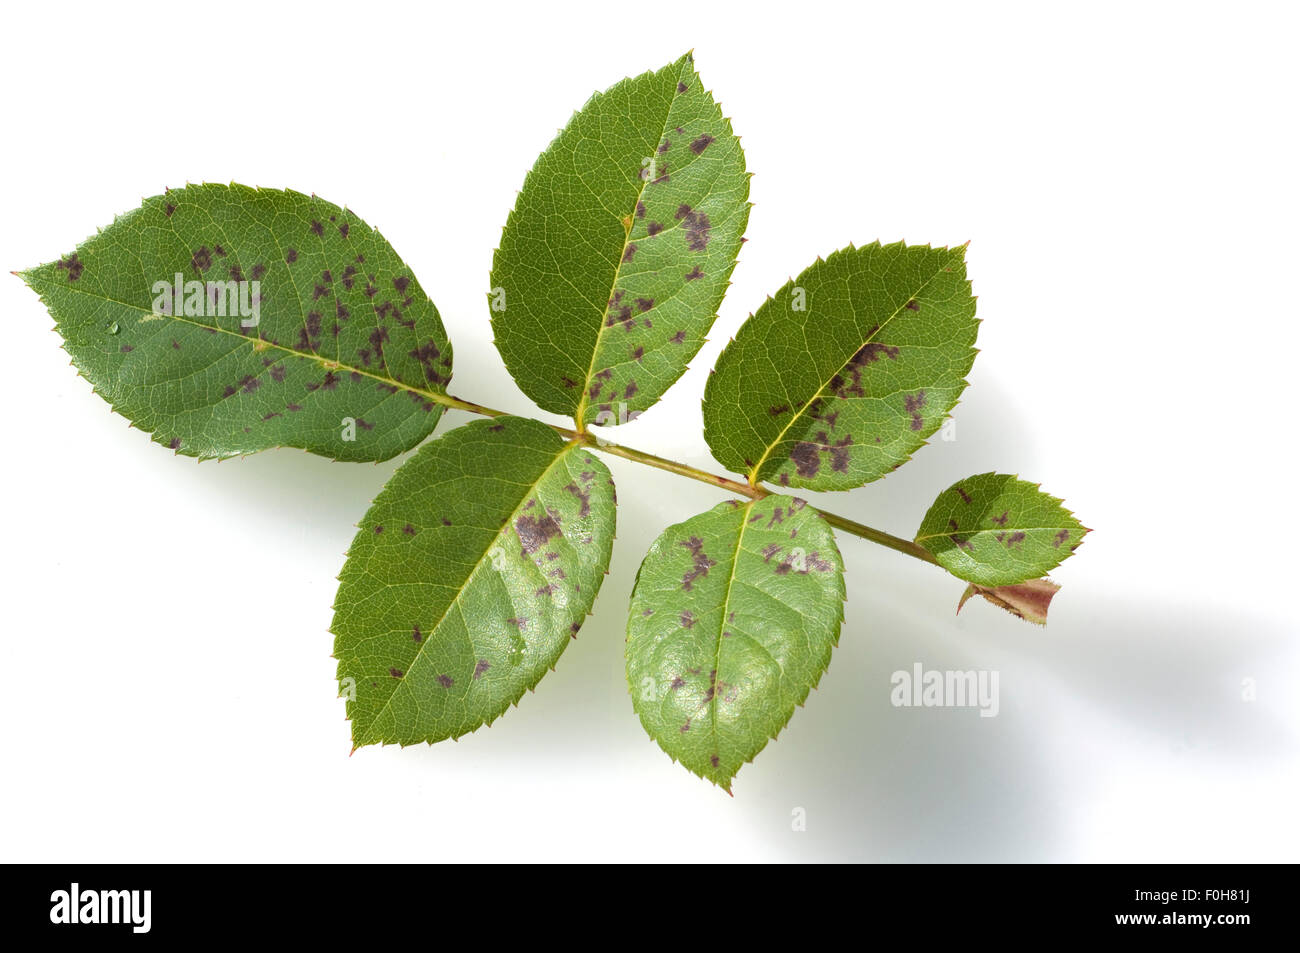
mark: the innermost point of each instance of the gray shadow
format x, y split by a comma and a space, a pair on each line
898, 784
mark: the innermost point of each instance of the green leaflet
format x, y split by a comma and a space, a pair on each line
619, 248
733, 619
996, 530
302, 328
468, 576
843, 375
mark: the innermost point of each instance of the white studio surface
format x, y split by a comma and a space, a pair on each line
1126, 174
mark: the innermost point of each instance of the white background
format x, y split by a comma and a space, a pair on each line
1127, 174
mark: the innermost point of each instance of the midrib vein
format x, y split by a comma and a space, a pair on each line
977, 532
266, 345
618, 269
726, 608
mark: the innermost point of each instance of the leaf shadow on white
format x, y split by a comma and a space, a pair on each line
879, 782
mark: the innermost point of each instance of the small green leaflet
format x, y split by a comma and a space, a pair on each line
223, 320
843, 375
620, 246
468, 576
995, 530
733, 619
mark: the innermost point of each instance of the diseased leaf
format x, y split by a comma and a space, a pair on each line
733, 619
618, 251
1026, 600
995, 530
467, 578
296, 325
843, 375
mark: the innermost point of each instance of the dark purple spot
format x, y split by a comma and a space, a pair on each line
446, 681
694, 273
702, 143
480, 667
807, 462
584, 498
913, 403
534, 533
700, 562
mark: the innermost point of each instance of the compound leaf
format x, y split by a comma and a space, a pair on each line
619, 248
732, 622
995, 530
295, 324
470, 573
843, 375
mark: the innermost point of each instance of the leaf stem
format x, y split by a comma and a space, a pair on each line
753, 491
